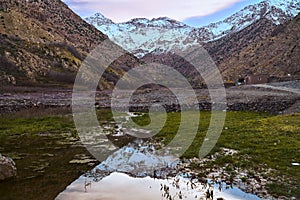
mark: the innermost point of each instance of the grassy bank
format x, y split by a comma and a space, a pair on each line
267, 145
43, 144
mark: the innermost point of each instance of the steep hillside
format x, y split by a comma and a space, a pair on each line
275, 54
231, 44
44, 42
48, 20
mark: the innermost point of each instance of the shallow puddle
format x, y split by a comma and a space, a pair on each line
119, 186
126, 174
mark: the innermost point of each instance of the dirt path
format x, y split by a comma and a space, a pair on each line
292, 86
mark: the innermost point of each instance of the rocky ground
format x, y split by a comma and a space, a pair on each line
275, 98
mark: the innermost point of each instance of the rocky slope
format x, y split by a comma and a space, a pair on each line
275, 54
142, 36
226, 46
44, 42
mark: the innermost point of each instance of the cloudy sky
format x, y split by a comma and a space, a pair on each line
189, 11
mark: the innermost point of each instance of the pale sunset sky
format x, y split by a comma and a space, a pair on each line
192, 12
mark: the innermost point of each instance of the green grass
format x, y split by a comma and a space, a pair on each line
53, 124
48, 121
263, 141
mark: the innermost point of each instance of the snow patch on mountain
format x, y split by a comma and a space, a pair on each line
277, 11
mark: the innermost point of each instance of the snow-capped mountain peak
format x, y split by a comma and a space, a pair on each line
141, 36
99, 20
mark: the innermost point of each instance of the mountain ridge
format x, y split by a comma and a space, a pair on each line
144, 37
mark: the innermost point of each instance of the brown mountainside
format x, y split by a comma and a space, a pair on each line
276, 53
229, 45
40, 21
44, 42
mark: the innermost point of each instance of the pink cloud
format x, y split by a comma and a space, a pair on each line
124, 10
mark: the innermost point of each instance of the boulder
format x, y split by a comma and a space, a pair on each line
7, 168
